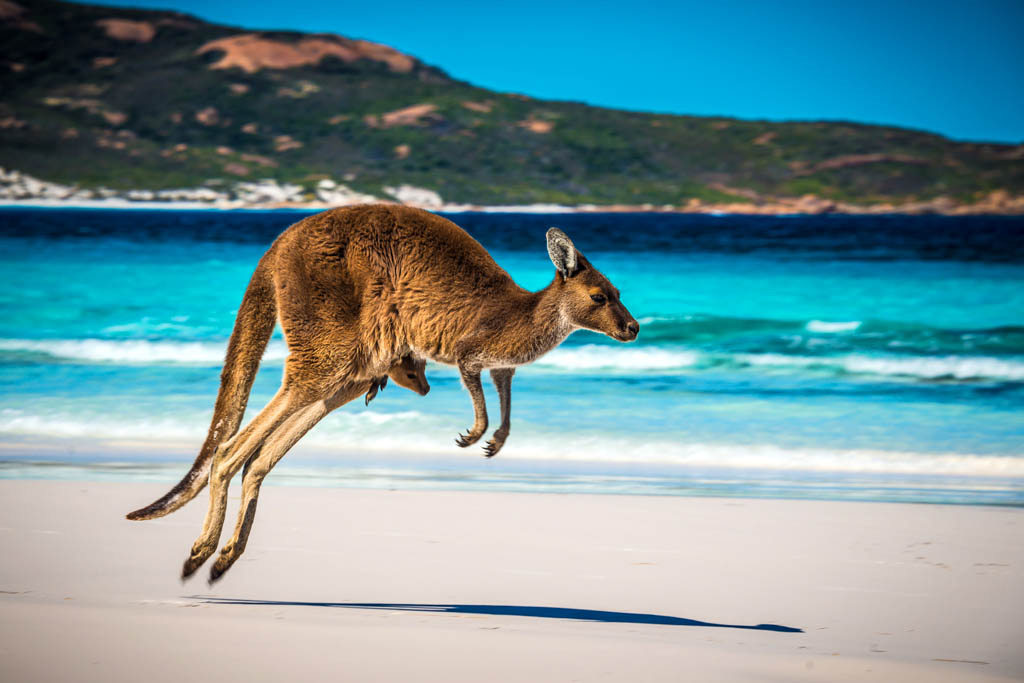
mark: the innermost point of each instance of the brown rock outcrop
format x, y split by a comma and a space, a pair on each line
208, 116
481, 107
537, 126
10, 10
125, 29
259, 159
283, 143
407, 116
114, 118
859, 160
252, 52
13, 12
12, 122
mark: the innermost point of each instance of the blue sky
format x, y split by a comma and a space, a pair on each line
951, 68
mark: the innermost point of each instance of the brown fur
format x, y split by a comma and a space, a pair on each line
357, 290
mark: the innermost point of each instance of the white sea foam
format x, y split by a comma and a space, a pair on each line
641, 359
350, 426
771, 457
411, 433
134, 351
832, 327
628, 359
941, 367
956, 367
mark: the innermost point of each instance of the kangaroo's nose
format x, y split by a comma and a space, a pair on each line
633, 329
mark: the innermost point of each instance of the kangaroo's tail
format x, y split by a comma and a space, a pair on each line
253, 327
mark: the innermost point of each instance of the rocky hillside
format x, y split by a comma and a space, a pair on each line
102, 97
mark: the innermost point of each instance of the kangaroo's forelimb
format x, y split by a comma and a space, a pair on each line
376, 385
502, 378
471, 380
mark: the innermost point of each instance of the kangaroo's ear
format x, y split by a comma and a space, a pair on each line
562, 252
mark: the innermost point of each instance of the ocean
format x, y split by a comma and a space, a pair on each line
826, 357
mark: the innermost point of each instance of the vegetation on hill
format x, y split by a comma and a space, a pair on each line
147, 99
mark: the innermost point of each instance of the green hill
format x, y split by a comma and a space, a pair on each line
146, 99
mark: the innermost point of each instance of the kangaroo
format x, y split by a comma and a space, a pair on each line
408, 372
356, 289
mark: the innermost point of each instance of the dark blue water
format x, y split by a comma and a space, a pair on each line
838, 357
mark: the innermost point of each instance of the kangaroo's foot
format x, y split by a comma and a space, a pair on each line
200, 553
224, 561
495, 444
471, 436
377, 384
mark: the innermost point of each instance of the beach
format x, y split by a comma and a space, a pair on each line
361, 585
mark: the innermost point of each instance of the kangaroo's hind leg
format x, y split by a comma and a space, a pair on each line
274, 448
228, 459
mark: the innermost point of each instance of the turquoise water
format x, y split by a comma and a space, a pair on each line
826, 357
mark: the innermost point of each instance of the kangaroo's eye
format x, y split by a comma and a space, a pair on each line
410, 375
598, 298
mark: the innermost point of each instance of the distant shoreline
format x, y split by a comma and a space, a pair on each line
21, 189
796, 208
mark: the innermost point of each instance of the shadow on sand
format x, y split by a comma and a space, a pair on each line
506, 610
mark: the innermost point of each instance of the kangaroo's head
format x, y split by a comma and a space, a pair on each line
410, 373
587, 298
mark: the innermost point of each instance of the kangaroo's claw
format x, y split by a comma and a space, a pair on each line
467, 439
493, 446
191, 565
219, 568
377, 384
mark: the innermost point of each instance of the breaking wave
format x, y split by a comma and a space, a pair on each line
601, 357
581, 358
132, 351
832, 327
411, 434
948, 367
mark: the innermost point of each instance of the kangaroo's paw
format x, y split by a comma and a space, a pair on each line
495, 444
469, 438
378, 385
224, 561
196, 558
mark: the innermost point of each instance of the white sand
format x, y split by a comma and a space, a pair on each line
470, 583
